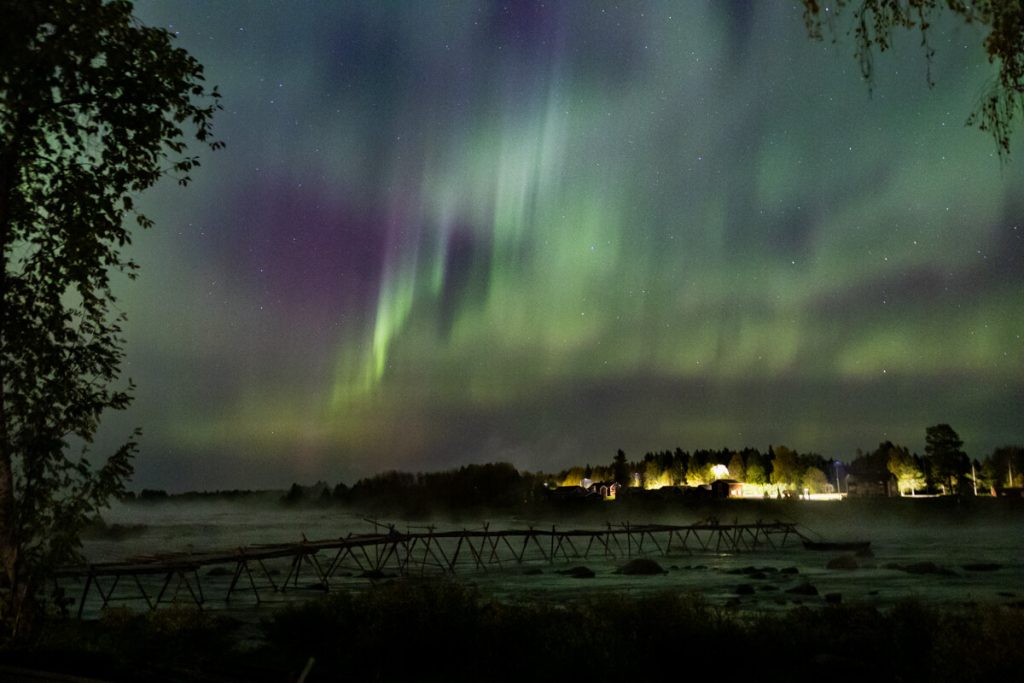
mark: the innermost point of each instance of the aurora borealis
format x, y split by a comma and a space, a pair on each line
452, 232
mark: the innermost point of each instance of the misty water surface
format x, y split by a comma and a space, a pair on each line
901, 532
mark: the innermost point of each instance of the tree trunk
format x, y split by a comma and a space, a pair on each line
11, 591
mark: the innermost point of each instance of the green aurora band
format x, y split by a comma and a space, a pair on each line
451, 232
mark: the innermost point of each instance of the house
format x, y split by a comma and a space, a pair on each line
606, 489
726, 488
870, 485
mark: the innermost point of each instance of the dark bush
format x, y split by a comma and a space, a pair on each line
443, 630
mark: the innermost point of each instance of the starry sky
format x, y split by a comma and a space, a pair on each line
453, 232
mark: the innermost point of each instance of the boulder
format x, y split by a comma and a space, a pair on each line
789, 570
803, 589
842, 562
925, 568
578, 572
375, 574
982, 567
641, 566
744, 589
833, 598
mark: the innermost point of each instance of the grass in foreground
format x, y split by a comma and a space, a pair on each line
447, 631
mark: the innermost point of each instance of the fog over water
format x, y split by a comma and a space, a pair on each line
901, 532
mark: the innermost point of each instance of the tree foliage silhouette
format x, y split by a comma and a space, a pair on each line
875, 21
949, 464
94, 108
906, 468
786, 469
620, 469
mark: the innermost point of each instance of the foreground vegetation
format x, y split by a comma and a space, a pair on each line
443, 630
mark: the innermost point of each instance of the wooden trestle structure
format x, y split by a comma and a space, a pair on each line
418, 551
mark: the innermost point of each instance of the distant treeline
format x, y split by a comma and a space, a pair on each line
158, 495
778, 471
493, 485
502, 486
944, 468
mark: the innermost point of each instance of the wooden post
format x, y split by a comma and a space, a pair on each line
85, 592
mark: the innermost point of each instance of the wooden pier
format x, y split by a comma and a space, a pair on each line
257, 569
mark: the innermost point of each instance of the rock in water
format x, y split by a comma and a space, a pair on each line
833, 598
640, 566
744, 589
925, 568
983, 567
803, 589
578, 572
842, 562
375, 574
532, 571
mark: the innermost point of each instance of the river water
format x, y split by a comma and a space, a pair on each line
952, 537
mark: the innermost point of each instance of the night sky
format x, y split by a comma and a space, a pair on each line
453, 232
